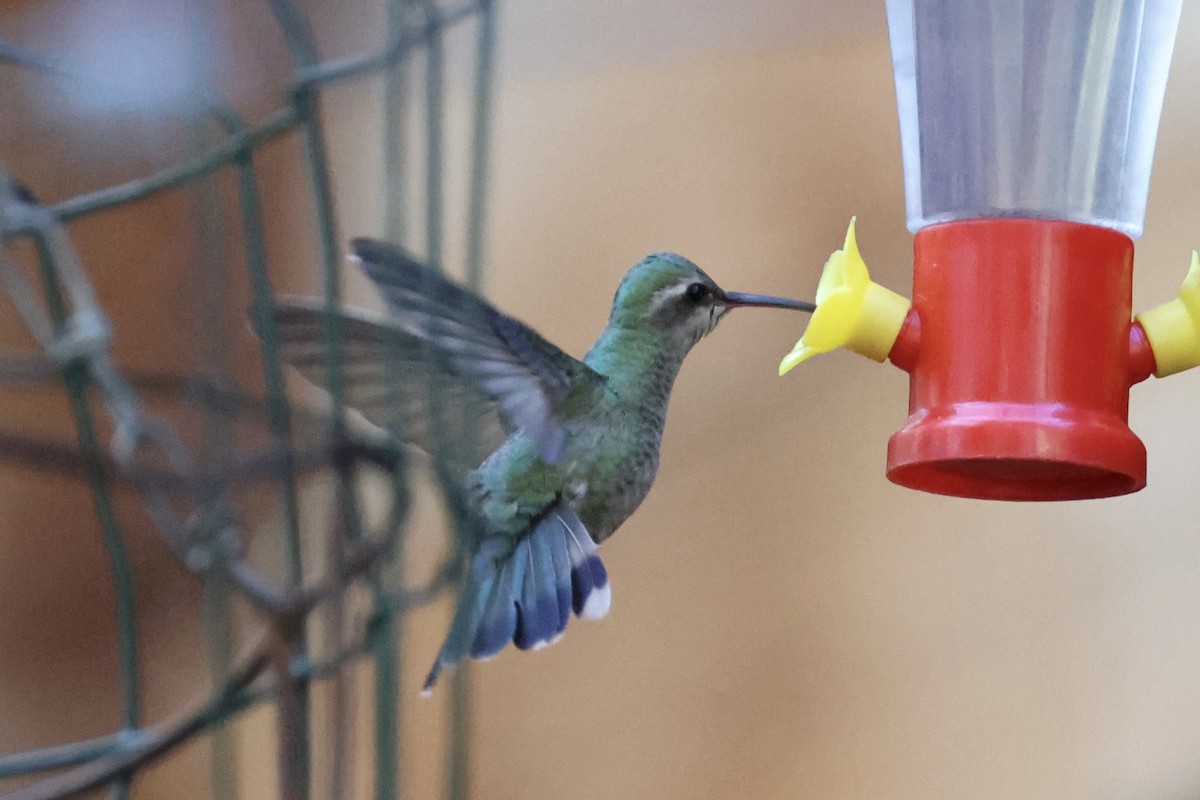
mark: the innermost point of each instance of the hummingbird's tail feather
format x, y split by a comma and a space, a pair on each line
499, 621
591, 594
471, 604
526, 596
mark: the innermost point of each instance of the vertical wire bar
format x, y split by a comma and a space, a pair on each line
295, 695
214, 359
481, 117
218, 447
218, 629
75, 376
294, 699
340, 708
459, 784
434, 69
388, 627
385, 638
307, 104
433, 132
395, 130
306, 99
458, 742
348, 524
262, 310
386, 630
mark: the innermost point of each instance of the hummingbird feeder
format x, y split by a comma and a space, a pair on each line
1027, 131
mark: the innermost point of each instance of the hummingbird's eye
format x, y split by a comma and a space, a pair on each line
697, 292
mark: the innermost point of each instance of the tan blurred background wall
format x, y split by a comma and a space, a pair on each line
785, 622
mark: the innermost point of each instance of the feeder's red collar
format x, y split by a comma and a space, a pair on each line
1021, 355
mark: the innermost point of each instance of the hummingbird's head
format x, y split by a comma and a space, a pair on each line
668, 293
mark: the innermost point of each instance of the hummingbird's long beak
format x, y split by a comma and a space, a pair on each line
739, 299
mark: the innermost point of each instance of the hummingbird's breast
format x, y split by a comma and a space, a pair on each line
608, 465
613, 466
610, 455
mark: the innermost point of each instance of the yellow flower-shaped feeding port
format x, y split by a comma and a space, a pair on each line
852, 311
1173, 328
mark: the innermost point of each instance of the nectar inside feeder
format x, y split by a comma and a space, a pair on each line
1027, 131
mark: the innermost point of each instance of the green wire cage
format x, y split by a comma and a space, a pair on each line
193, 447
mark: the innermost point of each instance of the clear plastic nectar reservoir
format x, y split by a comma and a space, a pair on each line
1029, 108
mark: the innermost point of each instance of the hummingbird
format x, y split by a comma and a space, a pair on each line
565, 449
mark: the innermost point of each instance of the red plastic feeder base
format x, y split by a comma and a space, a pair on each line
1020, 382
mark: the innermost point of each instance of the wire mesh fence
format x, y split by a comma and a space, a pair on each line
193, 447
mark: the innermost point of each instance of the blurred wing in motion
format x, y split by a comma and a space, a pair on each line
440, 341
389, 376
536, 385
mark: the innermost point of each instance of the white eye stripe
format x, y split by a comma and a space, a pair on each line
668, 294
